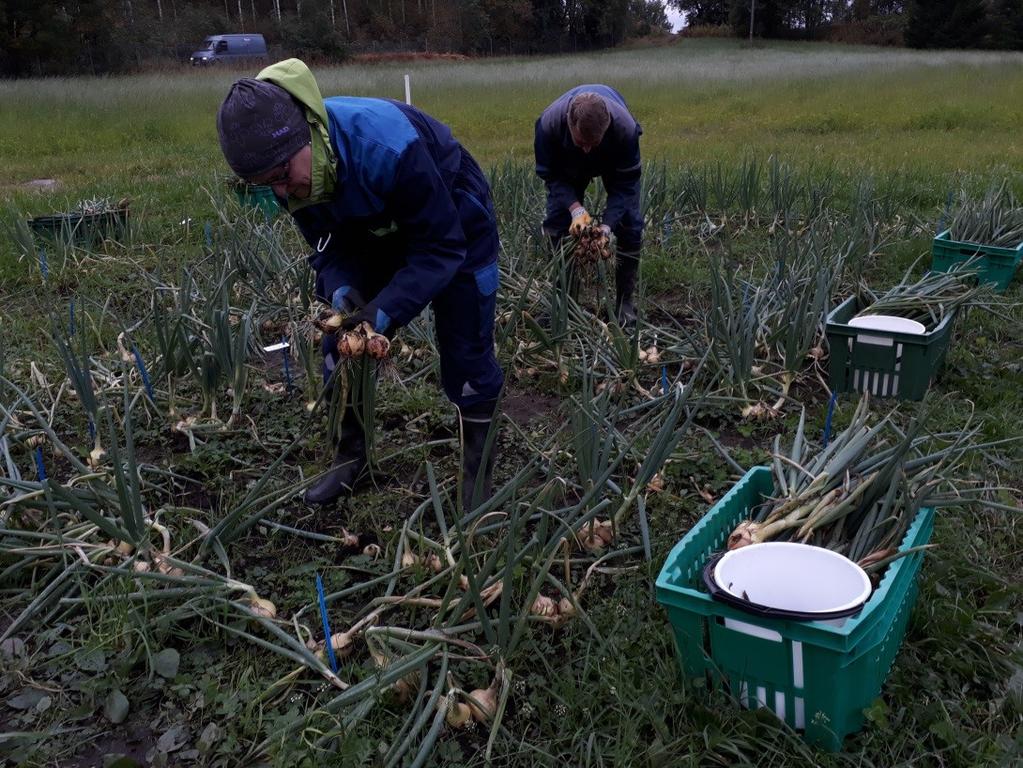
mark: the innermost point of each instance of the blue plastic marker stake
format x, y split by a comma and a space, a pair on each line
207, 230
71, 318
326, 623
40, 469
287, 366
827, 419
142, 370
44, 268
664, 379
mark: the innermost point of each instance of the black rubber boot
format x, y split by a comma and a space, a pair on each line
476, 421
626, 272
349, 462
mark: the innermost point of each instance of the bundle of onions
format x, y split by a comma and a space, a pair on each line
859, 495
363, 341
592, 246
933, 297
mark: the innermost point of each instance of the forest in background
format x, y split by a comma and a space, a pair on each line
57, 37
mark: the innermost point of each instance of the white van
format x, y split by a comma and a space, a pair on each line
226, 48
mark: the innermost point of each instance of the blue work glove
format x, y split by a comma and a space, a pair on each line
372, 314
347, 299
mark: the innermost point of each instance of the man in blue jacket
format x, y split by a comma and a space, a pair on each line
589, 132
400, 216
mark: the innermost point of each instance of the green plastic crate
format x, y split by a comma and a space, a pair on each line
883, 363
89, 229
257, 196
997, 265
815, 676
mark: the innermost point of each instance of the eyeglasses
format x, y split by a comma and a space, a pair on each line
279, 178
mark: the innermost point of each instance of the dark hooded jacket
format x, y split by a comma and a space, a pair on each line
564, 167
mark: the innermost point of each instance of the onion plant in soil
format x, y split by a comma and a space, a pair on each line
994, 219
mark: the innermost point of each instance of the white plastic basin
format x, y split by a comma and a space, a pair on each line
793, 577
888, 323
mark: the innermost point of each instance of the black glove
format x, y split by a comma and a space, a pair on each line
377, 318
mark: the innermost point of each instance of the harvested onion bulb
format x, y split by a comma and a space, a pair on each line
458, 714
330, 322
483, 702
408, 559
543, 606
262, 608
598, 535
377, 345
566, 608
343, 643
651, 355
745, 533
96, 457
351, 344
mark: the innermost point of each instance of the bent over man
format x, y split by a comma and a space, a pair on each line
399, 215
589, 132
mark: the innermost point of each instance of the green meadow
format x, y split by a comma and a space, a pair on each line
929, 115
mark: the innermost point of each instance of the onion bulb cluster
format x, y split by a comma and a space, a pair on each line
363, 341
760, 412
592, 246
597, 535
551, 612
651, 355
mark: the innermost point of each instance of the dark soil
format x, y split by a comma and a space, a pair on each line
134, 746
523, 407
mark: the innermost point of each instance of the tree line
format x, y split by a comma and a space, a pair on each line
916, 23
49, 37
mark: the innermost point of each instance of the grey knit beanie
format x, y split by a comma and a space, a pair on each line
261, 126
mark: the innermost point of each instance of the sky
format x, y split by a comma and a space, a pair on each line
676, 19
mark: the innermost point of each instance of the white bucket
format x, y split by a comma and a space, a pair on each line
793, 577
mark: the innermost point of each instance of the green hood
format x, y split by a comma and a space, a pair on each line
294, 76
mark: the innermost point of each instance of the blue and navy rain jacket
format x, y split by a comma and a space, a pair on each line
400, 173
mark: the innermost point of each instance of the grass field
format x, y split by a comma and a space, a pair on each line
171, 668
923, 114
